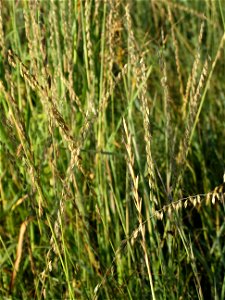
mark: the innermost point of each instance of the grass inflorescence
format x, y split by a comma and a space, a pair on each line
112, 141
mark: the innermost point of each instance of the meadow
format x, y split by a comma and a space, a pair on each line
112, 149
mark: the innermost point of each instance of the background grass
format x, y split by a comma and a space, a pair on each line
112, 149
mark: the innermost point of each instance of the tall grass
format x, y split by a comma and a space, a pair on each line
112, 149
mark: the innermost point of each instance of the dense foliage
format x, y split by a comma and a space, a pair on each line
112, 149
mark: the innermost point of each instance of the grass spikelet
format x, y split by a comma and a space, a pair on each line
2, 42
191, 83
90, 63
213, 198
138, 204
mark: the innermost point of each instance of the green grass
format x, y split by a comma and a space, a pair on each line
112, 152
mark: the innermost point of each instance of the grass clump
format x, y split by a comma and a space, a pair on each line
112, 149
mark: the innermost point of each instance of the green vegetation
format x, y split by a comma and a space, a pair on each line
112, 149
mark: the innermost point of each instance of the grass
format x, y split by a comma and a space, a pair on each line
112, 149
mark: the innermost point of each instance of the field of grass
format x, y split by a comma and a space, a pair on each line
112, 149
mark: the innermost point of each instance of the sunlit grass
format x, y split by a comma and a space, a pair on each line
112, 149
